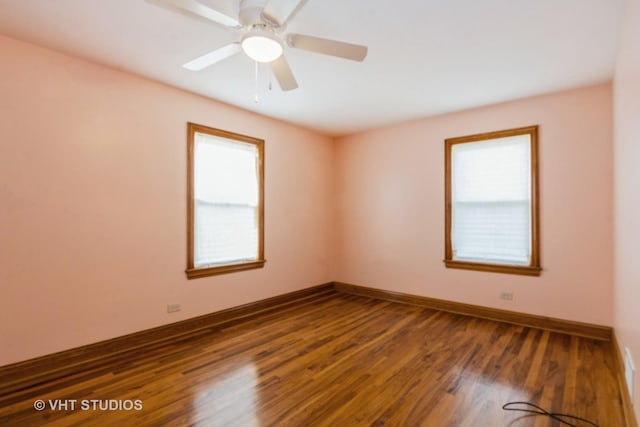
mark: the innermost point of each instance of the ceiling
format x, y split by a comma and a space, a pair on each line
426, 57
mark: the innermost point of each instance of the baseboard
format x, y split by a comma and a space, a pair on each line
588, 330
22, 375
627, 407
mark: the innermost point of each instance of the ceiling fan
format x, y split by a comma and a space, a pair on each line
261, 25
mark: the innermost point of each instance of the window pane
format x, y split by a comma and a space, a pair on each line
225, 171
225, 233
497, 169
492, 231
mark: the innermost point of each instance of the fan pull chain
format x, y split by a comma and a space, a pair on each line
256, 98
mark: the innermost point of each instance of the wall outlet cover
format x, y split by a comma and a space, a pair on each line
172, 308
629, 371
506, 296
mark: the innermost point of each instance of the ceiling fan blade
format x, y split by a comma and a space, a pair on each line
194, 8
350, 51
284, 75
279, 12
212, 57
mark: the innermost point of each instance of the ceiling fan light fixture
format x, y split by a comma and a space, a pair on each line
262, 46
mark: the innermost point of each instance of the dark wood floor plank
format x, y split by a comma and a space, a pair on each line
341, 360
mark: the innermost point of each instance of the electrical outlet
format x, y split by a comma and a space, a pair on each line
172, 308
629, 371
506, 296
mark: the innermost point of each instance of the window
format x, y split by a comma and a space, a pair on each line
225, 187
491, 202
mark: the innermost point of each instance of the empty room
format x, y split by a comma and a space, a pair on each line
320, 213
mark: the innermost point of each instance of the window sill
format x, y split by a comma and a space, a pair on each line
495, 268
195, 273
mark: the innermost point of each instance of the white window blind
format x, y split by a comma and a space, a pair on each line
491, 201
226, 193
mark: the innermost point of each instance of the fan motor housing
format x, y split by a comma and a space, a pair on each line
251, 12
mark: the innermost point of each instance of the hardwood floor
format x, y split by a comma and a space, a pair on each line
338, 360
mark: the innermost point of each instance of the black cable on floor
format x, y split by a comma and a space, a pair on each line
539, 411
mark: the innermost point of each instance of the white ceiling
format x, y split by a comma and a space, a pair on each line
426, 57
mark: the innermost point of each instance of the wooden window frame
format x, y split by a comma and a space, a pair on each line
534, 268
196, 272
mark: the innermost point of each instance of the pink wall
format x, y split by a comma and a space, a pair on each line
391, 208
93, 204
627, 189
